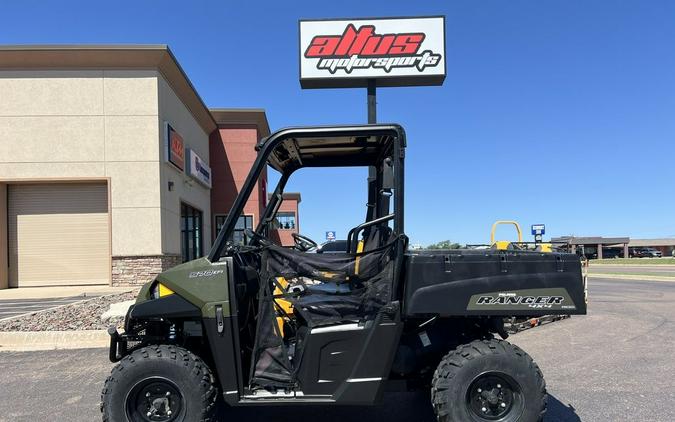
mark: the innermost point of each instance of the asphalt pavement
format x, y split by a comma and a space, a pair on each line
615, 364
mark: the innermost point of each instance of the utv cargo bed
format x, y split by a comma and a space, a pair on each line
462, 282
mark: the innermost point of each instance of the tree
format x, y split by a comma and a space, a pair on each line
445, 244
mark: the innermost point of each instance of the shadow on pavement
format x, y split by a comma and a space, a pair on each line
560, 412
395, 407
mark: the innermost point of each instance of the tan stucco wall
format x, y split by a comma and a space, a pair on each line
89, 124
186, 189
4, 281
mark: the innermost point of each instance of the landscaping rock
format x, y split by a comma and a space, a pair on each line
85, 315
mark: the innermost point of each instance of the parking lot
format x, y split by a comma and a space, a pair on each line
612, 365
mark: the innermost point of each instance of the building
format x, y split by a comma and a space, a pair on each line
287, 219
594, 245
112, 168
232, 151
665, 245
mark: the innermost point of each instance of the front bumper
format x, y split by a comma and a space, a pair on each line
118, 345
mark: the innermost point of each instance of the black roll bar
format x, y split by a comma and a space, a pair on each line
267, 145
353, 232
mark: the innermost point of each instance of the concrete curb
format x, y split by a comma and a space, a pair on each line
632, 277
24, 341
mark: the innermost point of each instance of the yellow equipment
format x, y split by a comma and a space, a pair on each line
503, 245
285, 306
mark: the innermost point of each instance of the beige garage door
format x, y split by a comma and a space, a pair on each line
58, 234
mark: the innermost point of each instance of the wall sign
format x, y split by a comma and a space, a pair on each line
175, 148
393, 51
198, 169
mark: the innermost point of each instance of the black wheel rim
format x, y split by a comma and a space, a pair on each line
494, 396
155, 399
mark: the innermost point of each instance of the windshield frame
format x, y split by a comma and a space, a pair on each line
267, 146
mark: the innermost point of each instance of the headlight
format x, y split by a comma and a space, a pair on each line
160, 290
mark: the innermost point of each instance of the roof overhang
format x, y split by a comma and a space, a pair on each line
592, 240
228, 117
160, 57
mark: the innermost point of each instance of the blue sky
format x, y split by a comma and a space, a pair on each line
558, 112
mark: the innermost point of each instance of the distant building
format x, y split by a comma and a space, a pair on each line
594, 245
665, 245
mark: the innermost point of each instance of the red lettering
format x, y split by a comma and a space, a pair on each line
364, 42
346, 41
322, 46
407, 44
364, 33
378, 46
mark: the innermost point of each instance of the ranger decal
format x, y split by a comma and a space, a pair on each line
555, 298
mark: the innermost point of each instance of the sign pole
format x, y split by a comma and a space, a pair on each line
372, 101
372, 171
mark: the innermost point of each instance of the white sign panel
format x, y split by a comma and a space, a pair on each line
392, 51
538, 229
198, 169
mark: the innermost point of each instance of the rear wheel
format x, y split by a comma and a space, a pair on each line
159, 384
488, 380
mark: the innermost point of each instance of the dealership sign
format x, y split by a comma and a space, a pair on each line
175, 148
198, 169
392, 51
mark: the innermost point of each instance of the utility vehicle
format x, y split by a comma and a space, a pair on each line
258, 324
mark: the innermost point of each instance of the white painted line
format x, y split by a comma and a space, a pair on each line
38, 302
49, 305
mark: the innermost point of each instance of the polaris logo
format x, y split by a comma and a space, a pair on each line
363, 48
513, 299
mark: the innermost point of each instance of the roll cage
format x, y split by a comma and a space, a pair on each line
381, 146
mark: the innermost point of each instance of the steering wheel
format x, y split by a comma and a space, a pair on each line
257, 238
303, 243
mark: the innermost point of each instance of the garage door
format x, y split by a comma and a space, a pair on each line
58, 234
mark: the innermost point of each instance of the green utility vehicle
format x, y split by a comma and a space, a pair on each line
257, 324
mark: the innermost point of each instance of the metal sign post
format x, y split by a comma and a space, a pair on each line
372, 52
372, 101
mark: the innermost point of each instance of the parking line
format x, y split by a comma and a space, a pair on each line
31, 305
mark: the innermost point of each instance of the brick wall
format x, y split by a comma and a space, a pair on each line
137, 270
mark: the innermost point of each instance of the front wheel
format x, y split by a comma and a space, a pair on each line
488, 380
159, 384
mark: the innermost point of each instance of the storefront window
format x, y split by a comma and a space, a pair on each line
284, 221
191, 232
243, 222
